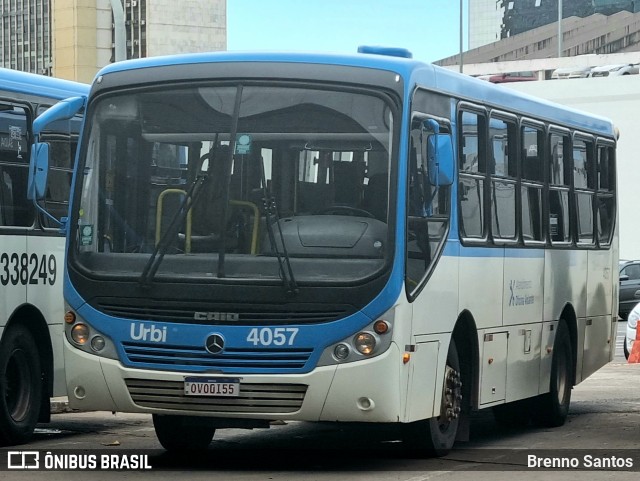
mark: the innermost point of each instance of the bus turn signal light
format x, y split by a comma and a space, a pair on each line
69, 317
381, 327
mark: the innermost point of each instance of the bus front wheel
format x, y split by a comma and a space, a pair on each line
182, 433
436, 436
20, 386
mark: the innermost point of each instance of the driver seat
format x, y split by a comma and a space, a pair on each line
376, 195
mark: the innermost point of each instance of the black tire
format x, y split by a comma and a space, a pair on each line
552, 408
20, 386
182, 433
436, 436
625, 349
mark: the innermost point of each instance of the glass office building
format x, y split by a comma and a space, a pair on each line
493, 20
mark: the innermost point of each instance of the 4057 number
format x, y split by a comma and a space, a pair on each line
22, 269
279, 336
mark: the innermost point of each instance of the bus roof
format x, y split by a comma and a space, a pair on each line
413, 71
41, 85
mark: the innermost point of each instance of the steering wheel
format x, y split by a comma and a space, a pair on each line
340, 209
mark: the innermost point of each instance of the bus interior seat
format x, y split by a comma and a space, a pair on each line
347, 183
375, 196
313, 198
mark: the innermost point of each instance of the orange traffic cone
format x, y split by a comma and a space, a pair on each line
634, 356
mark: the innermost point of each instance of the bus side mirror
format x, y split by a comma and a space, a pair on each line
63, 110
39, 162
38, 171
439, 155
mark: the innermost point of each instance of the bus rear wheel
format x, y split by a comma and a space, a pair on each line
436, 436
552, 408
182, 433
20, 386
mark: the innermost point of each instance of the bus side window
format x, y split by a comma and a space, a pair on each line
503, 155
427, 211
559, 225
584, 183
532, 182
472, 174
605, 210
15, 210
62, 137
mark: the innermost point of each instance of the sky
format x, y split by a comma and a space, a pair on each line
430, 29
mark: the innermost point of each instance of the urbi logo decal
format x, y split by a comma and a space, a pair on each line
141, 332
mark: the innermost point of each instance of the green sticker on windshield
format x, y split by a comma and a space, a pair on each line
243, 144
86, 235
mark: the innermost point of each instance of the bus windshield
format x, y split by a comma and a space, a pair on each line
250, 182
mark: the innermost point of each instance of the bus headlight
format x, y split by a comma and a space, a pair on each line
365, 343
98, 343
341, 352
80, 334
83, 336
370, 340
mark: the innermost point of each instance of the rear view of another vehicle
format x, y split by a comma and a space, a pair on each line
513, 77
615, 70
632, 325
629, 287
571, 72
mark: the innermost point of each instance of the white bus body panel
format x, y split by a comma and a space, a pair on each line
46, 298
11, 296
49, 301
333, 394
481, 280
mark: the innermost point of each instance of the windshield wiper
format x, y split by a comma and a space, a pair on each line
170, 235
284, 263
222, 248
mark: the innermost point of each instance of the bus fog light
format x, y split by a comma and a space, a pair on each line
80, 334
98, 343
341, 352
365, 343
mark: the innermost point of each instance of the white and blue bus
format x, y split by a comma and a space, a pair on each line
31, 253
363, 238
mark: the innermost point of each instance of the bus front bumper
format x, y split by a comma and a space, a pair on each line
364, 391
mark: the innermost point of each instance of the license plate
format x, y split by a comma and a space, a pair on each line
212, 387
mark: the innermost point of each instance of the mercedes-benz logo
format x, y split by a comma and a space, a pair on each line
214, 344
